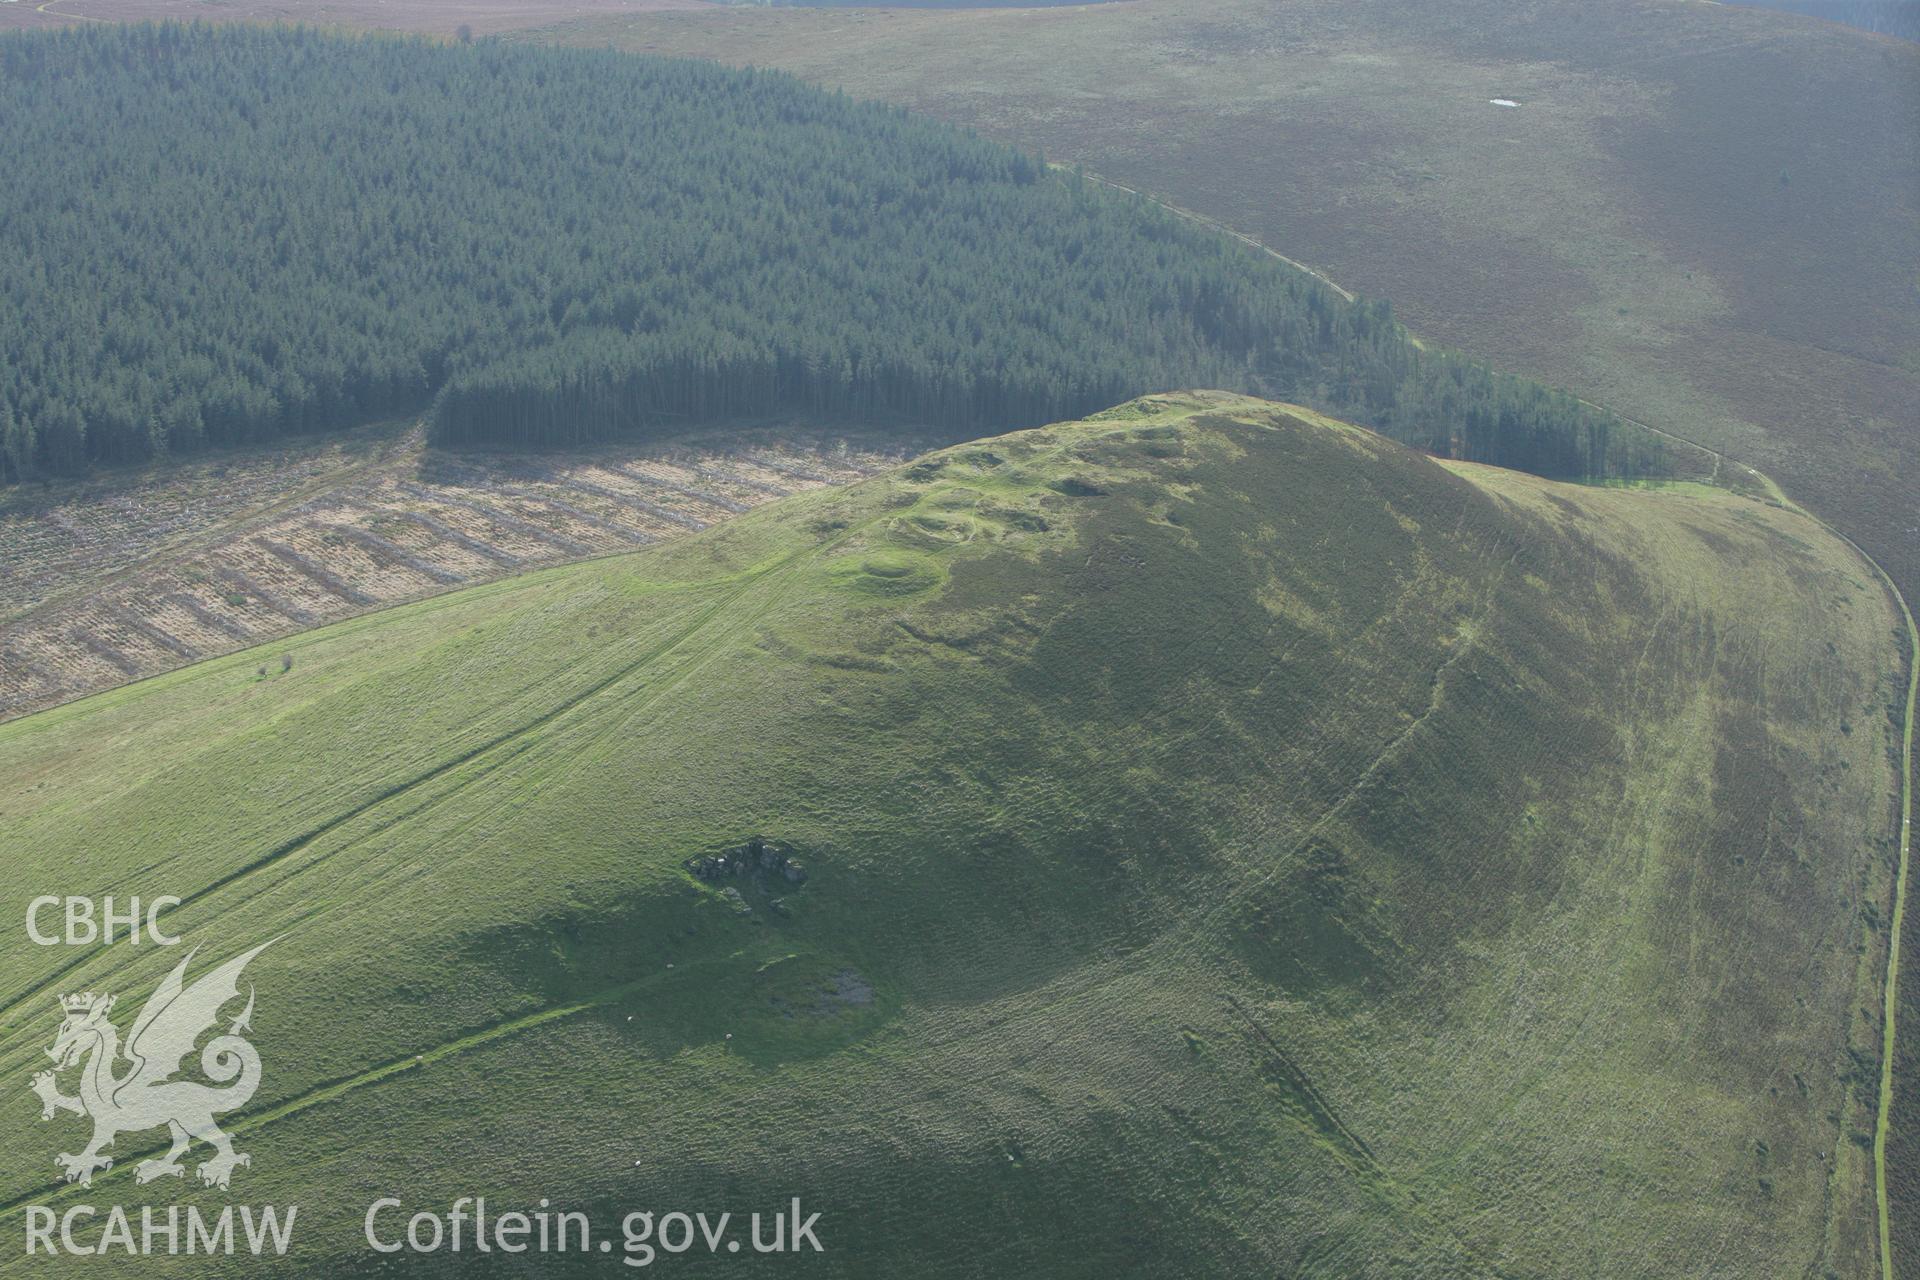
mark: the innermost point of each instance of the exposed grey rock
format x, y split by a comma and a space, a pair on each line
757, 857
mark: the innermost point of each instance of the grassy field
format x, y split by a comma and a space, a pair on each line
1234, 845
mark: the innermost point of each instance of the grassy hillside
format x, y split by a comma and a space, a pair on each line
1704, 216
1234, 845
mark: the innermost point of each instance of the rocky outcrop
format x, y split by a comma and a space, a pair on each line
759, 856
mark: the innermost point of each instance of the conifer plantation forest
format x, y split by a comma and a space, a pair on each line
231, 235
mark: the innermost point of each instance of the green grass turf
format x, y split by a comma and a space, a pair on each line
1270, 852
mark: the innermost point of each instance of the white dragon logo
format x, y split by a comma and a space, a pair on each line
145, 1097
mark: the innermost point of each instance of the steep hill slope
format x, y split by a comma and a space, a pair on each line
1233, 844
1701, 215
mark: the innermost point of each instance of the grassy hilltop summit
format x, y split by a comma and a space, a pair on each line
1203, 839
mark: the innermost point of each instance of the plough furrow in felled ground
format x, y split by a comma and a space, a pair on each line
786, 468
165, 639
653, 509
100, 649
242, 584
614, 527
51, 687
318, 572
505, 519
207, 617
715, 476
486, 550
389, 552
686, 491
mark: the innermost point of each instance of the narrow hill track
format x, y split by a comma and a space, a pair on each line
1883, 1120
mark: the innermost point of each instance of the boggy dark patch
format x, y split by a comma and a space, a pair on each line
587, 951
1075, 487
